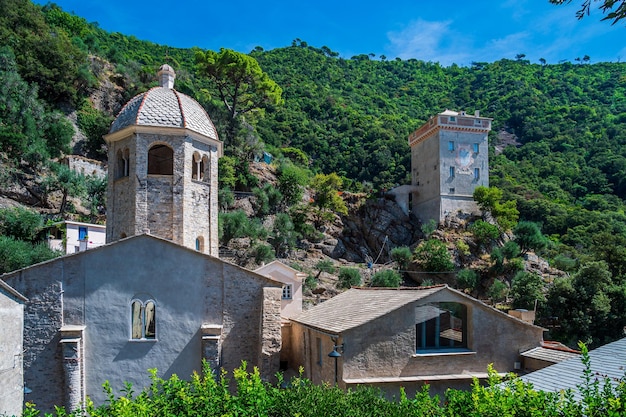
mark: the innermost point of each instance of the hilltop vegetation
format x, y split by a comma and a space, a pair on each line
557, 154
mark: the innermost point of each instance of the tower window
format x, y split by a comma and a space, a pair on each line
161, 160
197, 167
478, 122
121, 169
451, 145
206, 169
143, 320
452, 172
200, 244
475, 147
476, 174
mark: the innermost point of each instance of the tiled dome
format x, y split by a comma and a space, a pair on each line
165, 107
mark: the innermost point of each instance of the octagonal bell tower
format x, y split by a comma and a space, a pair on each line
163, 153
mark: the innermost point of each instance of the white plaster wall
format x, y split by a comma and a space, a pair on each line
95, 289
96, 234
11, 370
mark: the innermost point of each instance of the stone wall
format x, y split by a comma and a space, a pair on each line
43, 318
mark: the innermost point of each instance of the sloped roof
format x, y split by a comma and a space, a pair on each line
550, 355
9, 290
608, 361
357, 306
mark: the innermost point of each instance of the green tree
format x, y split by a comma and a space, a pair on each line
69, 182
433, 256
606, 6
348, 277
529, 237
402, 256
526, 288
484, 232
233, 225
386, 278
16, 254
467, 279
505, 213
327, 198
324, 265
582, 304
498, 291
263, 253
20, 223
284, 235
241, 84
291, 182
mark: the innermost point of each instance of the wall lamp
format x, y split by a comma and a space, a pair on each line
336, 354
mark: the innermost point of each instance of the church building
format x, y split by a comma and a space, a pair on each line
156, 295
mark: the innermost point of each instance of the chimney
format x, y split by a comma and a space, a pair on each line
476, 113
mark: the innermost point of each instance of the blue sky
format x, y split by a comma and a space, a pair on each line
446, 32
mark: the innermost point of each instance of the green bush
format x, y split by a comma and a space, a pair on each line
386, 278
402, 256
498, 291
348, 277
263, 254
233, 225
20, 223
467, 278
484, 232
526, 287
433, 256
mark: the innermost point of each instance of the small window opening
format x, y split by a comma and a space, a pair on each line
197, 167
161, 160
451, 146
475, 147
452, 172
476, 173
287, 292
200, 244
206, 169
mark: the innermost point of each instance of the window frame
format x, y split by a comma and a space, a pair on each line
287, 292
140, 322
451, 146
476, 174
476, 147
428, 333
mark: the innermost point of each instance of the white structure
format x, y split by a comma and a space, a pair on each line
71, 237
11, 348
291, 304
449, 159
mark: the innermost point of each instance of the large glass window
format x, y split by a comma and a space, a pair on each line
441, 327
143, 320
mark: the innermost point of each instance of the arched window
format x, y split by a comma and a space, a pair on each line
206, 169
200, 244
197, 167
126, 162
121, 168
161, 160
441, 327
143, 320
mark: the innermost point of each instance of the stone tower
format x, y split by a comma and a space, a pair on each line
163, 152
449, 159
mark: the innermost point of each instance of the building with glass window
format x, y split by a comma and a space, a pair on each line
407, 337
449, 159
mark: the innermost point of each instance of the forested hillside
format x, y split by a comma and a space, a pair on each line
558, 147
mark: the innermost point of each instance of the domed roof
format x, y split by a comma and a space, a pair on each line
165, 107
